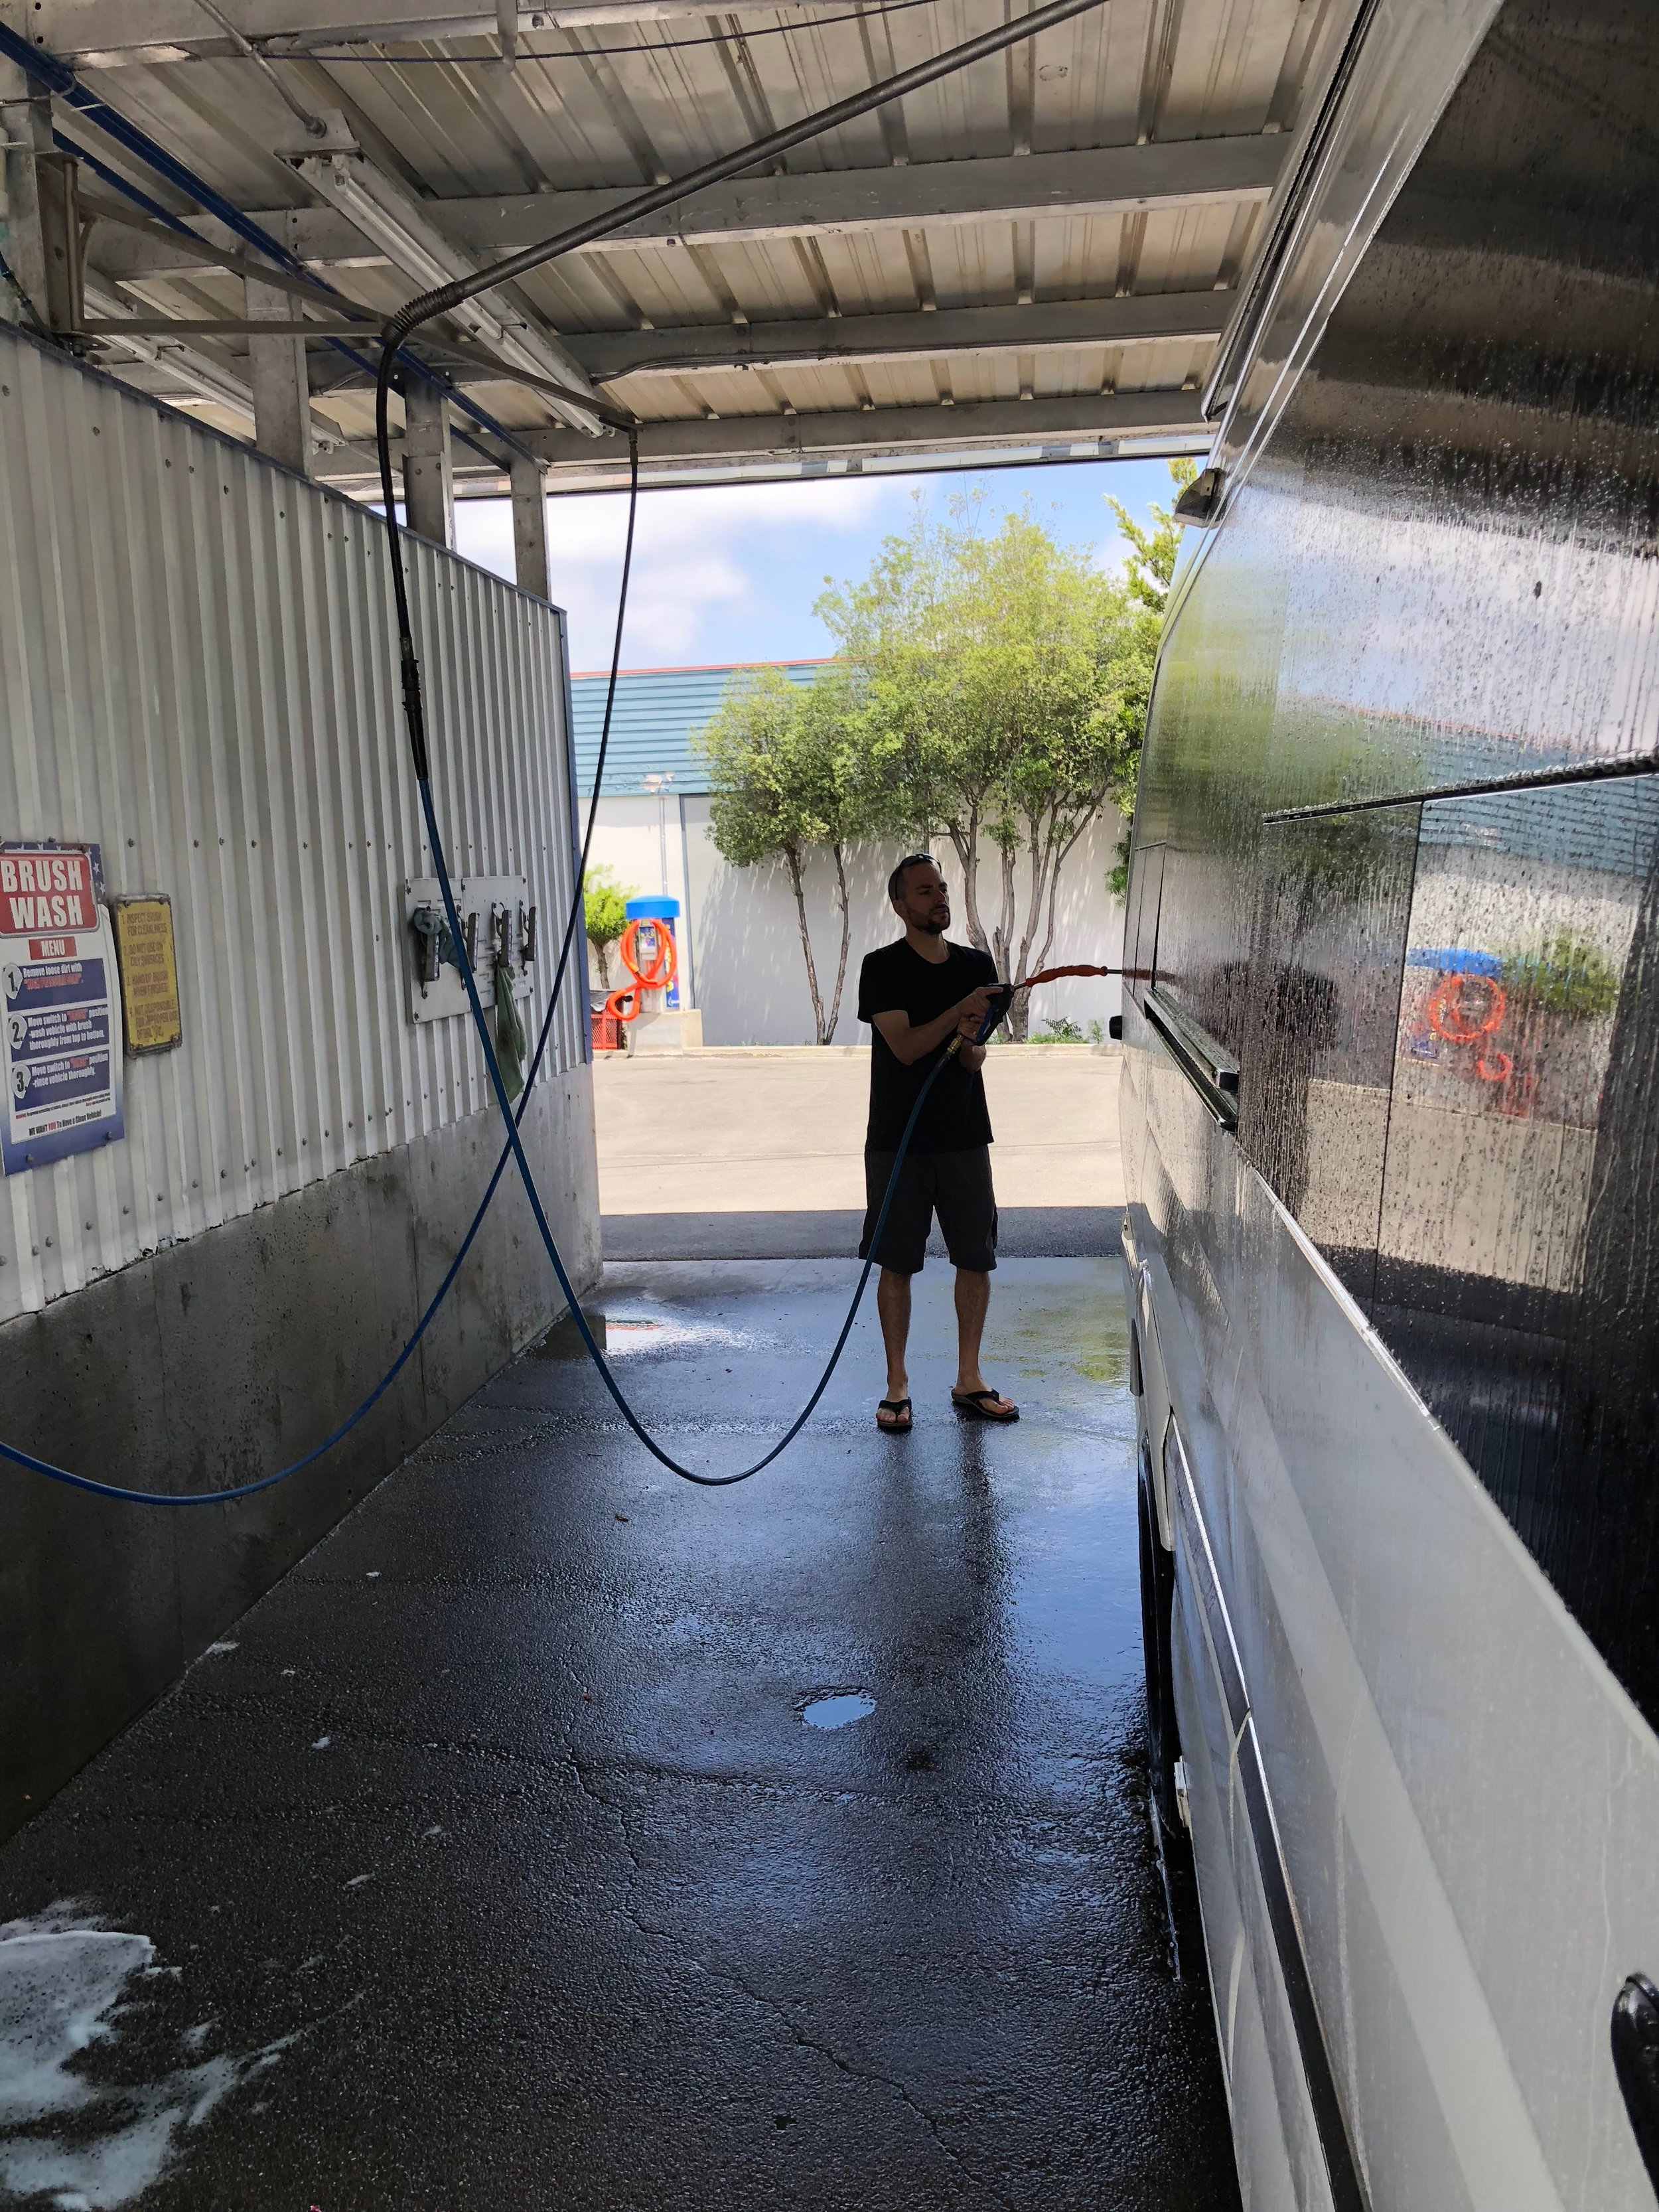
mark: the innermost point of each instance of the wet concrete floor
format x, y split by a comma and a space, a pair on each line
492, 1862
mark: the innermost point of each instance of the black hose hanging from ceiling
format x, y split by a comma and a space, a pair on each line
407, 319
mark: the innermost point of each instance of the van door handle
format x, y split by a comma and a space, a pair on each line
1636, 2062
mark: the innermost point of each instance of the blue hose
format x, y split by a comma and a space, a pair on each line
527, 1176
124, 1496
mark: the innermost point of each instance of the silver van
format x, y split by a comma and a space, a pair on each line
1391, 1125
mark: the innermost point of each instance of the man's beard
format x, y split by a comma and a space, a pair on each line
929, 928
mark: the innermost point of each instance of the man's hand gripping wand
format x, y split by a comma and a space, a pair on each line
1003, 997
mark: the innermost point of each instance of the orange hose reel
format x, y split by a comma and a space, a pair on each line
657, 975
1458, 1023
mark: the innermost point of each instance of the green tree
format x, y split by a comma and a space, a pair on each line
1567, 973
992, 707
605, 911
778, 751
1149, 570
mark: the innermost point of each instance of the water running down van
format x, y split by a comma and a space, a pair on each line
1391, 1127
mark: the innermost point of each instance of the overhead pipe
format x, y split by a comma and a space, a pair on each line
447, 297
405, 232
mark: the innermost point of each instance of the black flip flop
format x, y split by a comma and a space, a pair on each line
895, 1406
973, 1403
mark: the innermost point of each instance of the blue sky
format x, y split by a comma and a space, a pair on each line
731, 574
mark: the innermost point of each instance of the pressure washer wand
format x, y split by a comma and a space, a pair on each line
1005, 998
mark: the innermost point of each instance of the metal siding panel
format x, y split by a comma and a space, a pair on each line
562, 721
199, 674
658, 711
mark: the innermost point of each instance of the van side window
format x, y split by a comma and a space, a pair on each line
1517, 1276
1450, 1074
1317, 1049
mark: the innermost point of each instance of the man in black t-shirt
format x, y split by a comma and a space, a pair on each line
916, 995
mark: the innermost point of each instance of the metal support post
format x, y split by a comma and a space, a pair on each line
529, 527
58, 199
26, 128
428, 467
281, 386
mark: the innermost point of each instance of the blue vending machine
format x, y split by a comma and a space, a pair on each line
657, 917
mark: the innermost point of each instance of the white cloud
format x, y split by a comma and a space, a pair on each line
698, 555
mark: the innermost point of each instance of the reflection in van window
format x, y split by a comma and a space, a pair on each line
1318, 1043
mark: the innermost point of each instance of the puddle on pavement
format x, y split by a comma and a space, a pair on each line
1090, 1337
619, 1335
838, 1708
563, 1340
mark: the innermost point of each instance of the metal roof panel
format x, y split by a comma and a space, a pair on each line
621, 105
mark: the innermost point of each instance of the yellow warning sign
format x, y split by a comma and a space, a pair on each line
149, 973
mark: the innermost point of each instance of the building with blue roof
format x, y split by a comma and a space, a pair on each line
658, 713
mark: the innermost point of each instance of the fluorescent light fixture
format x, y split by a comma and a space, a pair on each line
398, 224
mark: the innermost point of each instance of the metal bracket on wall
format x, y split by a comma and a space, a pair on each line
494, 911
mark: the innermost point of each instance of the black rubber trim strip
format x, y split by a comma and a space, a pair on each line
1538, 779
1347, 2191
1217, 1063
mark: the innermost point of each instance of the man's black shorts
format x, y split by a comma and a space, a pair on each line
956, 1185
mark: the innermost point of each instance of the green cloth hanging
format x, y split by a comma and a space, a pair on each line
512, 1045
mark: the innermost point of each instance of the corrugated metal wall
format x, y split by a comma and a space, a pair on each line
198, 671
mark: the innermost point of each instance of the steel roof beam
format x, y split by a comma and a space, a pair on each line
608, 355
106, 33
890, 430
175, 363
380, 210
751, 449
1110, 180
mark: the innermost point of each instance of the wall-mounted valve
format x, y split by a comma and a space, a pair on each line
500, 930
470, 938
433, 945
527, 935
427, 927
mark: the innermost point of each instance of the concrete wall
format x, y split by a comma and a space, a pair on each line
217, 1360
747, 969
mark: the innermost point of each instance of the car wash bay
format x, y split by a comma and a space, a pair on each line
477, 1847
493, 1858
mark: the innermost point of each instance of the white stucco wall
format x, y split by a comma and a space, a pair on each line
748, 975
